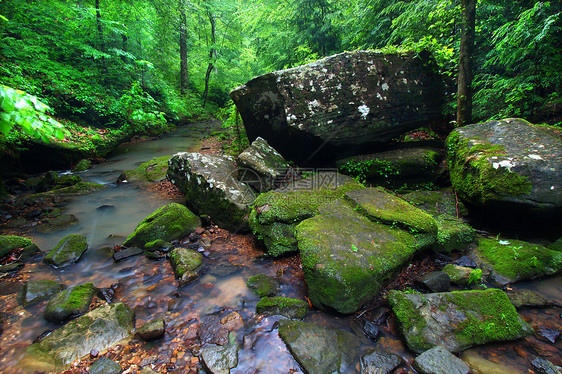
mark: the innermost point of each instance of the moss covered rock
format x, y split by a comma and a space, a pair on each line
263, 285
453, 234
170, 222
437, 202
67, 251
347, 258
82, 165
186, 263
149, 172
37, 290
69, 303
457, 320
57, 223
284, 306
511, 260
459, 275
24, 246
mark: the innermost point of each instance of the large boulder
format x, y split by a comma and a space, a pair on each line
211, 187
24, 247
70, 303
507, 164
456, 320
341, 104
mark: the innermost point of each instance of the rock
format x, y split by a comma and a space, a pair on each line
70, 303
319, 350
435, 281
212, 331
437, 202
126, 253
98, 329
151, 330
263, 285
211, 187
147, 370
466, 262
438, 360
527, 298
480, 365
456, 320
186, 263
340, 104
344, 251
556, 246
10, 268
459, 275
82, 165
545, 367
232, 321
264, 166
37, 290
284, 306
59, 223
219, 360
379, 363
490, 166
550, 334
105, 366
514, 260
148, 172
452, 234
80, 188
9, 243
67, 251
275, 214
170, 222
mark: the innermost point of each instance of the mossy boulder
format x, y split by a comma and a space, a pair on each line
82, 165
170, 222
186, 263
148, 172
275, 214
347, 258
263, 285
152, 330
453, 234
37, 290
456, 320
437, 202
80, 188
70, 303
510, 261
318, 349
509, 163
284, 306
97, 330
10, 243
211, 187
67, 251
459, 275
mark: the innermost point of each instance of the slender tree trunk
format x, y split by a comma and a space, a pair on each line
184, 74
464, 91
100, 34
212, 53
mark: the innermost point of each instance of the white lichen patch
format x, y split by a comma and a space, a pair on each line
508, 164
535, 157
364, 110
291, 118
379, 96
384, 87
313, 105
405, 80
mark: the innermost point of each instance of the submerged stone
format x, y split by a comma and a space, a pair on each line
104, 365
379, 363
263, 285
58, 223
151, 330
70, 303
186, 263
37, 290
68, 251
220, 359
284, 306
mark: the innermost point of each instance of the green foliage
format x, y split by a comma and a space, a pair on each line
475, 276
360, 170
235, 129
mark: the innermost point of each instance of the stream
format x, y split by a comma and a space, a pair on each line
106, 217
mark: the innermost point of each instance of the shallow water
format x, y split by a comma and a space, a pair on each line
108, 216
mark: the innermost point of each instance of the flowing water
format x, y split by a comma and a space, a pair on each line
108, 216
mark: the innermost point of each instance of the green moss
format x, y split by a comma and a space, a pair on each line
412, 321
67, 251
70, 302
185, 260
150, 171
291, 308
453, 234
8, 243
473, 175
82, 165
263, 285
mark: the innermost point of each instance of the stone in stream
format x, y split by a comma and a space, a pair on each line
220, 359
438, 360
284, 306
24, 247
148, 172
545, 366
69, 303
58, 223
68, 251
211, 187
379, 363
435, 281
318, 349
186, 263
151, 330
458, 275
457, 320
126, 253
104, 365
481, 365
97, 330
262, 285
340, 104
170, 222
36, 290
82, 165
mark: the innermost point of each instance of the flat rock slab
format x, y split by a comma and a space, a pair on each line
457, 320
37, 290
219, 360
319, 350
346, 102
99, 329
284, 306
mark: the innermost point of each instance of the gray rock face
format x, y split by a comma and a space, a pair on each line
319, 350
105, 366
98, 329
67, 251
346, 99
37, 290
152, 330
379, 363
211, 187
284, 306
219, 360
261, 166
438, 360
435, 281
70, 303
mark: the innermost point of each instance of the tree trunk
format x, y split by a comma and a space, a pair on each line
100, 34
464, 91
184, 74
212, 53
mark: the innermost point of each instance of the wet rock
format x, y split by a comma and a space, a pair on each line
549, 334
98, 329
435, 281
170, 222
492, 168
371, 330
10, 268
69, 303
212, 331
275, 214
340, 104
438, 360
456, 320
68, 251
263, 285
56, 196
151, 330
453, 234
510, 261
379, 363
223, 269
82, 165
24, 247
126, 253
318, 349
105, 366
284, 306
147, 370
466, 262
211, 187
220, 359
186, 263
527, 298
481, 365
59, 223
545, 367
148, 172
37, 290
232, 321
261, 166
437, 202
459, 275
